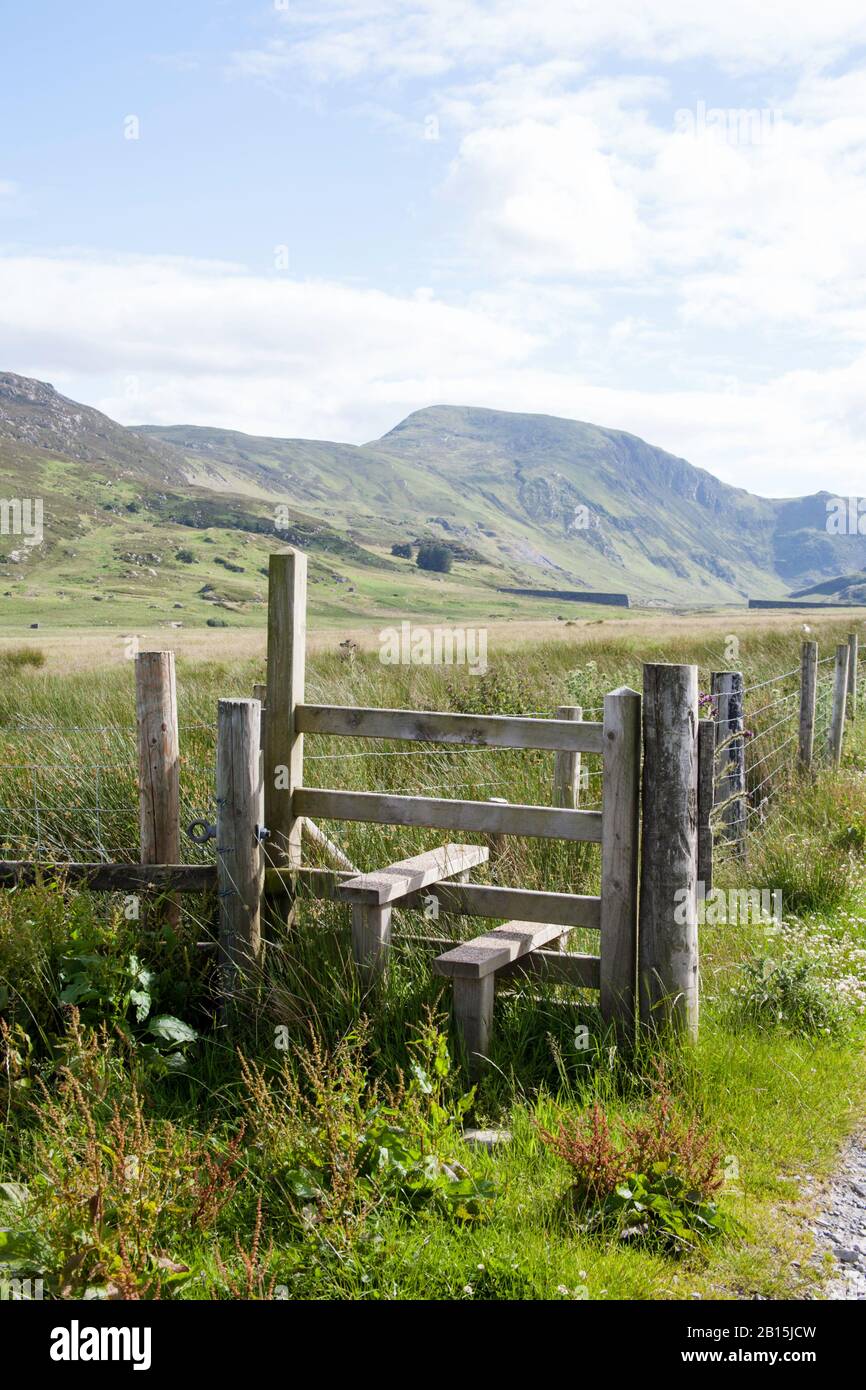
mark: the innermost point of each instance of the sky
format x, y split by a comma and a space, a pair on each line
310, 219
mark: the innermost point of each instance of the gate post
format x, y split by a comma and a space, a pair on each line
240, 862
619, 858
284, 747
158, 768
668, 937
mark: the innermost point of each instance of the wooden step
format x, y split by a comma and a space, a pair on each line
488, 953
410, 875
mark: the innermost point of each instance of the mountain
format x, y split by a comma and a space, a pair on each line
548, 502
150, 519
846, 588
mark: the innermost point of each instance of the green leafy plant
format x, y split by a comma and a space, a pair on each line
655, 1179
118, 990
786, 993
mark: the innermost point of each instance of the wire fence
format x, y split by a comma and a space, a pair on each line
77, 799
757, 746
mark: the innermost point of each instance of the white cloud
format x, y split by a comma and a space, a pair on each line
169, 341
343, 39
209, 343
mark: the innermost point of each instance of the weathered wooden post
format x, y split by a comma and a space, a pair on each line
730, 756
619, 859
668, 937
240, 861
853, 657
158, 765
260, 693
284, 746
808, 701
840, 692
566, 766
706, 801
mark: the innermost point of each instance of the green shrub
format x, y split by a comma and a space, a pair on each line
787, 994
433, 555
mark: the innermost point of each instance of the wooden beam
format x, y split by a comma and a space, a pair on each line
465, 730
371, 942
540, 822
325, 843
112, 878
411, 875
853, 657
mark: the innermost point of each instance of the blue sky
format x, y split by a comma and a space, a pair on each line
646, 215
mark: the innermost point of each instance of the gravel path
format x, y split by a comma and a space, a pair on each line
841, 1227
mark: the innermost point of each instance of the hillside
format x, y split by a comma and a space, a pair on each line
848, 588
177, 522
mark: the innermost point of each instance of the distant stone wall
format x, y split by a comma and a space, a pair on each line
572, 596
797, 603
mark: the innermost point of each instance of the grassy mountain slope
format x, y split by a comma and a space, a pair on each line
143, 520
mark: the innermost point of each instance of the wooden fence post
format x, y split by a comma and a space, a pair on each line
619, 859
240, 861
853, 657
260, 693
840, 692
566, 766
808, 701
284, 746
706, 801
730, 755
668, 936
158, 764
